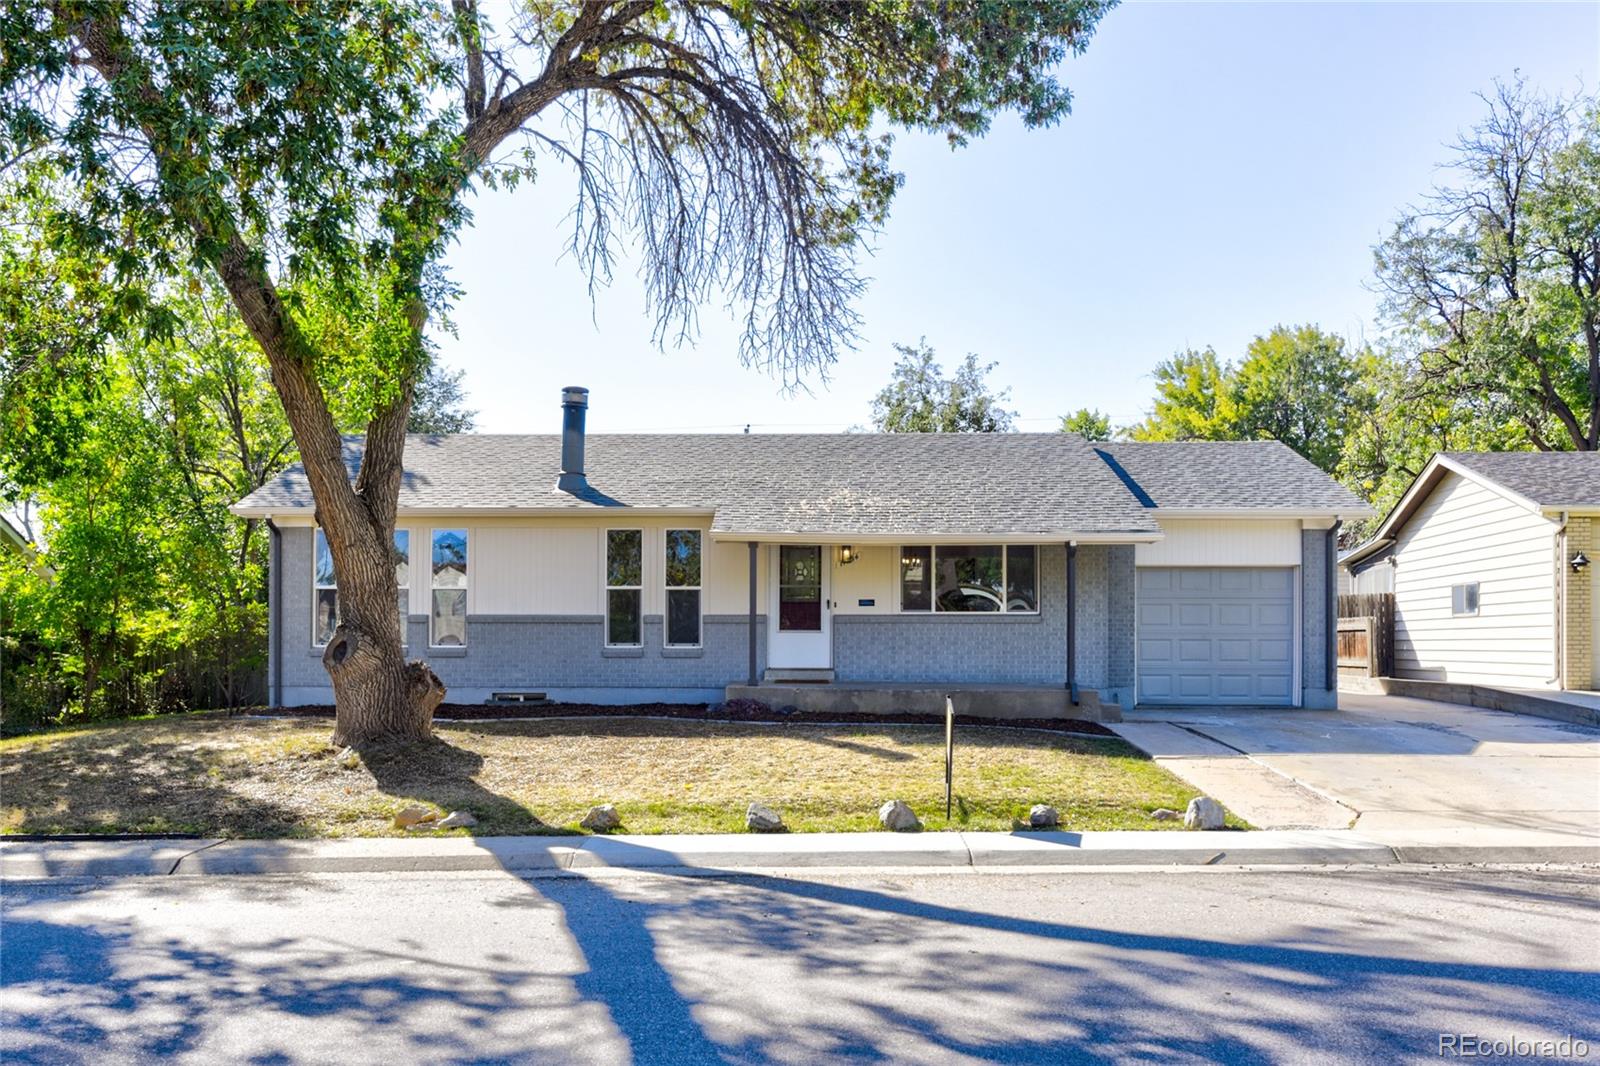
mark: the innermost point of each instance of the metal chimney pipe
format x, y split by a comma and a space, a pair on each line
574, 405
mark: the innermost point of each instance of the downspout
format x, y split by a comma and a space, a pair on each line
1330, 592
1562, 569
274, 617
1072, 621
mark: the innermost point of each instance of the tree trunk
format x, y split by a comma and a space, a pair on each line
377, 694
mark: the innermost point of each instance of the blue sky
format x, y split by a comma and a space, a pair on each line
1226, 167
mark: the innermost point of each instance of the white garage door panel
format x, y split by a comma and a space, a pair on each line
1216, 635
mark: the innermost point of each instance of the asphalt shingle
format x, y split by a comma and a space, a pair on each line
1228, 475
851, 484
1549, 479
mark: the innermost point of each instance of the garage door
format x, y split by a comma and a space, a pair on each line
1216, 635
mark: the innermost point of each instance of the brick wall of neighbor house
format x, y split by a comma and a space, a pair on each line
1314, 578
1001, 649
1578, 662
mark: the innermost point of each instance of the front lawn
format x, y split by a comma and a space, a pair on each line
240, 777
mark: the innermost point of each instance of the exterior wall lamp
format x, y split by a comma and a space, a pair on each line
847, 555
1579, 561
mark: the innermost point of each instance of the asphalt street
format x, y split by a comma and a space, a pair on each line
1288, 965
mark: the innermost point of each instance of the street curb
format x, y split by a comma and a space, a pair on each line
735, 852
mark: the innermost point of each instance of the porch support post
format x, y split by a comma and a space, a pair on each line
753, 678
1072, 620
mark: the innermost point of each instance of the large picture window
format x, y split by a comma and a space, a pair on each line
683, 588
624, 587
447, 624
325, 590
967, 578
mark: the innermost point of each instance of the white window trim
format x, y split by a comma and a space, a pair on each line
316, 587
1477, 607
467, 588
933, 564
666, 589
405, 617
607, 588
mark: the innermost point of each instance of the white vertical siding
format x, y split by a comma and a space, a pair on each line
502, 569
1462, 533
727, 577
1223, 542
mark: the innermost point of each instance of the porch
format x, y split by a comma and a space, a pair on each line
998, 701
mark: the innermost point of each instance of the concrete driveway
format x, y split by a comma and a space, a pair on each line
1382, 763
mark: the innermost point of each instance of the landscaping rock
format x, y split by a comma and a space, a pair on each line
1203, 813
349, 758
1165, 814
602, 819
458, 820
1043, 816
414, 816
762, 819
897, 817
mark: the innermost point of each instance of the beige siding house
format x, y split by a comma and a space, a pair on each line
804, 570
1489, 559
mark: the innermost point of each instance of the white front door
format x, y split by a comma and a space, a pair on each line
800, 630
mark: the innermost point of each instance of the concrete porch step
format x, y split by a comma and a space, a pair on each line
800, 676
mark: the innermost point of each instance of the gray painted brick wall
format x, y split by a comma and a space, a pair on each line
1000, 649
1120, 585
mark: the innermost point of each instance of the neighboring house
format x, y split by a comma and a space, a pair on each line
635, 568
1489, 558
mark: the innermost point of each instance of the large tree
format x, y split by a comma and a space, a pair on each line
1296, 384
1494, 280
921, 398
311, 156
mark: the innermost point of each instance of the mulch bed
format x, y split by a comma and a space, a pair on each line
731, 711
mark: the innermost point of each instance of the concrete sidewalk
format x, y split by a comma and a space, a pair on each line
189, 858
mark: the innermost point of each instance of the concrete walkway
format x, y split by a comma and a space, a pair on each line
1385, 763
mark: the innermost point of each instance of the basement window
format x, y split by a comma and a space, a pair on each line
1464, 599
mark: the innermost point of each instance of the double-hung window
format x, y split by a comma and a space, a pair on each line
325, 590
961, 578
447, 622
625, 588
683, 588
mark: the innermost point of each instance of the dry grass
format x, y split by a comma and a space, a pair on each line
272, 778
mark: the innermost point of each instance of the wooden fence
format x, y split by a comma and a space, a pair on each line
1366, 633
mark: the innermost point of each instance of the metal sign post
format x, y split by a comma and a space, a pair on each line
949, 751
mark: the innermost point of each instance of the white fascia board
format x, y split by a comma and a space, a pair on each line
1269, 513
1061, 537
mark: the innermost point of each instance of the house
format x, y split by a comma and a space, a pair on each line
1489, 558
1068, 578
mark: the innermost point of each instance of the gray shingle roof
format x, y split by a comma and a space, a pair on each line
1549, 479
851, 484
1229, 475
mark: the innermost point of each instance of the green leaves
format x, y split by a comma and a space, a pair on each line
921, 399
